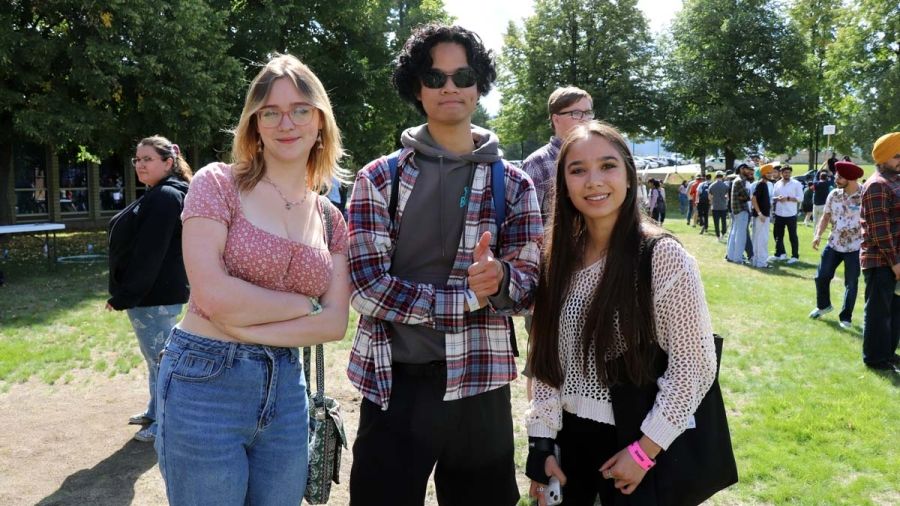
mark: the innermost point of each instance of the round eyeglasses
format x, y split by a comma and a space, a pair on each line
300, 115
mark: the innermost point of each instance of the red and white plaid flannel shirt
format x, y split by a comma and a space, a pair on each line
479, 354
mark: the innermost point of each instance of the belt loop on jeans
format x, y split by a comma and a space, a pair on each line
232, 349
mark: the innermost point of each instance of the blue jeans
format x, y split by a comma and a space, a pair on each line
881, 320
152, 325
233, 423
683, 204
831, 258
737, 239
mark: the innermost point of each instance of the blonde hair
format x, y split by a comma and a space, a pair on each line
247, 149
167, 149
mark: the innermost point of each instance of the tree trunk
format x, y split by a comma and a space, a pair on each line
729, 159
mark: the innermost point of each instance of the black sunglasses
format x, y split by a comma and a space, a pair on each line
462, 78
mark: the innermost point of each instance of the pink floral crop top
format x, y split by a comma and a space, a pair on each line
258, 256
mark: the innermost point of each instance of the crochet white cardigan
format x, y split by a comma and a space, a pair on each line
684, 331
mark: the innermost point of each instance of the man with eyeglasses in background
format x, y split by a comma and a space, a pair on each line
568, 107
432, 355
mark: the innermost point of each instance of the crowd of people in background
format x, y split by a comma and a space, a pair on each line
766, 199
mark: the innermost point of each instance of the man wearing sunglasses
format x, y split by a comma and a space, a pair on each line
432, 355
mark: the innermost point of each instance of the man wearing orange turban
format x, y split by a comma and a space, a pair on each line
880, 256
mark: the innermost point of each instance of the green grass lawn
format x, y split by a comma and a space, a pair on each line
810, 424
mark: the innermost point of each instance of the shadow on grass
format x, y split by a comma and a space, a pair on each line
891, 376
110, 482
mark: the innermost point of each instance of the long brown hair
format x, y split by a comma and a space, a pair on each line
622, 297
166, 149
246, 151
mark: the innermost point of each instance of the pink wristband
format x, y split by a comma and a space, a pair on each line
637, 453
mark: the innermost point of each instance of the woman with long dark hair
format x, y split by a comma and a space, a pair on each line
146, 270
598, 322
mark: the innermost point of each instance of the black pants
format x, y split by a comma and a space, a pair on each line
717, 217
881, 320
470, 440
778, 231
584, 445
659, 214
703, 214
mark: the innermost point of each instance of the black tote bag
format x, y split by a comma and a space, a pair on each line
699, 463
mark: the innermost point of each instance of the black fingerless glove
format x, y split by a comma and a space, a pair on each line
539, 448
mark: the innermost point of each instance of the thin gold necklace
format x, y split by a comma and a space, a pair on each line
288, 204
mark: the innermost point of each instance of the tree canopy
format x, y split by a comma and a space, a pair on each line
735, 70
601, 46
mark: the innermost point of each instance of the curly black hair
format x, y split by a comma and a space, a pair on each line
415, 58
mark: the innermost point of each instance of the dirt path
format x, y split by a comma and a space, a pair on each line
70, 444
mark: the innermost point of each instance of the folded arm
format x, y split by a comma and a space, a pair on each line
225, 299
307, 330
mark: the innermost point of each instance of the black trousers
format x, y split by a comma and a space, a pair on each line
703, 214
881, 320
717, 217
467, 442
584, 445
778, 231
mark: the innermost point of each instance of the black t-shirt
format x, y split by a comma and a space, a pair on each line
822, 189
761, 192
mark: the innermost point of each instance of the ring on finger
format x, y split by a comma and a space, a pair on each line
540, 489
608, 474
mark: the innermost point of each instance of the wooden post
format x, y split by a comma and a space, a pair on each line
94, 191
54, 212
9, 186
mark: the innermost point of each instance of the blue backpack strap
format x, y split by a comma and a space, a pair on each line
393, 159
498, 188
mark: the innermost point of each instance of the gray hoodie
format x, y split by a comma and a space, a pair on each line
433, 221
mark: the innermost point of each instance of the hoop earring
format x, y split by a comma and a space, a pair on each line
319, 145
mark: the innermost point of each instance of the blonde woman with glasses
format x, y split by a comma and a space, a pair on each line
266, 257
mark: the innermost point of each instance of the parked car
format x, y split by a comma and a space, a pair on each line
717, 163
809, 177
660, 161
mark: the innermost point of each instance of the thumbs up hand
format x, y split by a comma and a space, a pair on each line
486, 273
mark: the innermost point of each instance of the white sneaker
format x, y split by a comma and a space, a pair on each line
782, 256
773, 258
815, 313
144, 435
845, 325
793, 261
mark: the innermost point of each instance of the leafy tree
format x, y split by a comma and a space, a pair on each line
862, 73
350, 45
733, 80
601, 46
816, 21
102, 76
